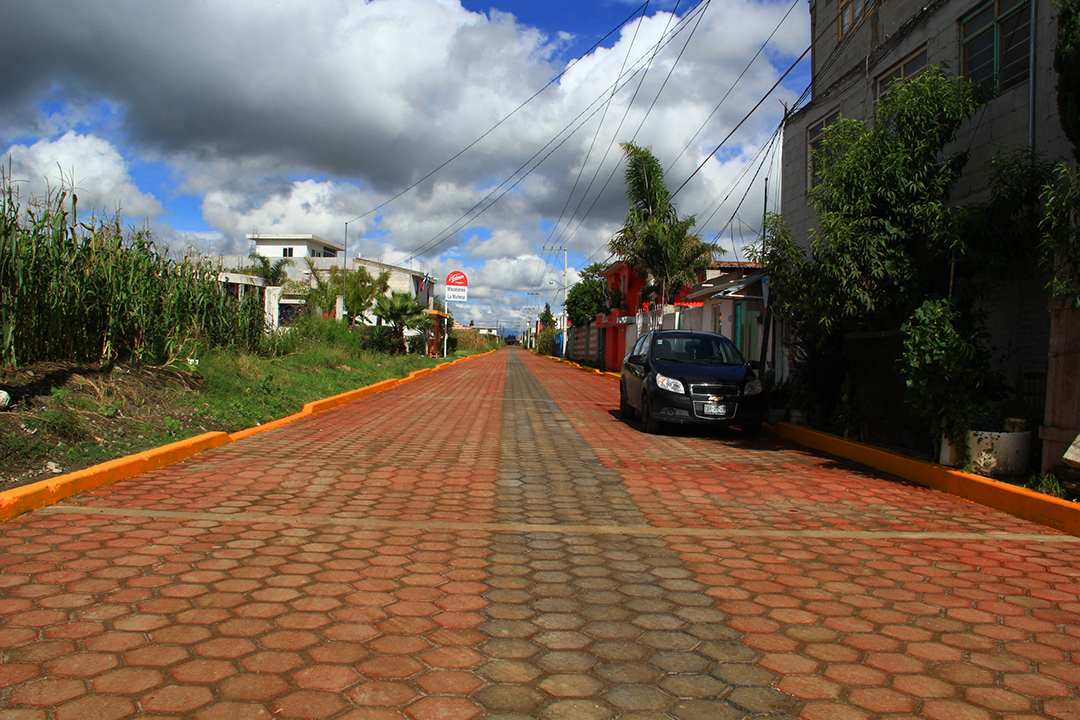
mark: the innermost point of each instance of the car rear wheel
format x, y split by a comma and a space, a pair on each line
649, 422
625, 410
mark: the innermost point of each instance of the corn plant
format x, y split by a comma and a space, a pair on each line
92, 292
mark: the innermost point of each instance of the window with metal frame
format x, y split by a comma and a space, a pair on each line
814, 135
852, 12
995, 43
903, 70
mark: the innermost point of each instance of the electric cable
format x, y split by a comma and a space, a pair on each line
507, 117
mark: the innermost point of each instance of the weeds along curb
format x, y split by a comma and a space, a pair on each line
46, 492
1017, 501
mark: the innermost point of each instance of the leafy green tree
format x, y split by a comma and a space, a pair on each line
401, 311
586, 299
885, 238
547, 318
654, 240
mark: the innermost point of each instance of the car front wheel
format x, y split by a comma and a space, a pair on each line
649, 422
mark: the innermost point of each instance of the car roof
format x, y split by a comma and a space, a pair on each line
684, 333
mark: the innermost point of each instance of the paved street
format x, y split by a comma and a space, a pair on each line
492, 541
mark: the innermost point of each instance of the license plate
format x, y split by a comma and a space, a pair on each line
714, 409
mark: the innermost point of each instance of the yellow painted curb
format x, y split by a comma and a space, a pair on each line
248, 432
1017, 501
346, 397
46, 492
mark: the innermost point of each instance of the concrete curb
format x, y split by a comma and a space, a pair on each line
1017, 501
46, 492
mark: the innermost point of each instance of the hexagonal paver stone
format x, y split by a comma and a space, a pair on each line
744, 674
510, 629
576, 710
663, 640
680, 662
628, 673
566, 661
693, 686
562, 640
727, 652
508, 698
509, 648
571, 685
708, 710
638, 697
763, 700
510, 671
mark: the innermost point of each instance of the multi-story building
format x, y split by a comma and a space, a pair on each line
860, 46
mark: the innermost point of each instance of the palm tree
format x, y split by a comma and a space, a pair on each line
401, 311
654, 240
275, 273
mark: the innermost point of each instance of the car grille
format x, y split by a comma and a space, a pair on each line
706, 391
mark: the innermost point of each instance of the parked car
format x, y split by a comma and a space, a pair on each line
682, 376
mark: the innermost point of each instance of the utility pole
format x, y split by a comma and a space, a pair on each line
565, 268
528, 317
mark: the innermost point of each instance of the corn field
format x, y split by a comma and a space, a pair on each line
91, 292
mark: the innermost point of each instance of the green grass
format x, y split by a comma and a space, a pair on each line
242, 390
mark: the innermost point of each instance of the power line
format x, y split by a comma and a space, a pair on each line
507, 117
464, 218
745, 118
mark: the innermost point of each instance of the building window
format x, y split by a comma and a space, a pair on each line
327, 252
852, 13
813, 138
902, 71
286, 252
996, 44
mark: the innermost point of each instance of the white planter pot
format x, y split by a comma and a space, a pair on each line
1000, 453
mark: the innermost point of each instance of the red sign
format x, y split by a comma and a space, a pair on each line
457, 287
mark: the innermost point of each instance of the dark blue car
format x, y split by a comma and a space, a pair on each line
682, 376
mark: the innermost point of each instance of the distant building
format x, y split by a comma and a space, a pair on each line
294, 246
311, 255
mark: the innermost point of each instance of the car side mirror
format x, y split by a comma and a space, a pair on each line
636, 360
754, 365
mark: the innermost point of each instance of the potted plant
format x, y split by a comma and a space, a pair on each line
999, 443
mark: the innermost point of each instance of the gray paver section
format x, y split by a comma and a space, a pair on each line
548, 473
585, 626
598, 626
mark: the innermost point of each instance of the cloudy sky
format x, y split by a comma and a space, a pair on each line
469, 135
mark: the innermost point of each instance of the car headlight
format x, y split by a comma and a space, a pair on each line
752, 387
670, 384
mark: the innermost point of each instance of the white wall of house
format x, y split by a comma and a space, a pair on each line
294, 246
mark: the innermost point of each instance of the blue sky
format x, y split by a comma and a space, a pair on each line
209, 120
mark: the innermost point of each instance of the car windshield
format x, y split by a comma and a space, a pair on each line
696, 349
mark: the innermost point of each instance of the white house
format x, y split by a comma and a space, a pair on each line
295, 246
